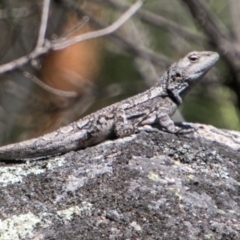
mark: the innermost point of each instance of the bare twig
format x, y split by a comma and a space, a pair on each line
80, 25
43, 25
210, 23
220, 37
54, 91
129, 46
99, 33
61, 44
141, 37
158, 21
234, 6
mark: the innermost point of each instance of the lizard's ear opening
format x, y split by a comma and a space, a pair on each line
178, 76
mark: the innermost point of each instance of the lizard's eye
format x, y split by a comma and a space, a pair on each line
193, 58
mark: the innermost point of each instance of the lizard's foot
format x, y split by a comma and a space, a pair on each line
184, 129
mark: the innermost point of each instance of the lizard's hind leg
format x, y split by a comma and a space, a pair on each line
123, 127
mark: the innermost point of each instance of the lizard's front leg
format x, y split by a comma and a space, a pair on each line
161, 117
168, 125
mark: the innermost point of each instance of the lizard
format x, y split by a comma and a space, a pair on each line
154, 106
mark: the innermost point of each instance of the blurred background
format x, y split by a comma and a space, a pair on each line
58, 87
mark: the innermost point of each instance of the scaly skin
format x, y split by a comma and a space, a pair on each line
155, 105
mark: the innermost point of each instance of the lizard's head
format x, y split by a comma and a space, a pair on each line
188, 71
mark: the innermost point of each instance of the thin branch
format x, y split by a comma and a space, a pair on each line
139, 35
60, 44
78, 26
99, 33
54, 91
25, 59
158, 21
219, 37
210, 23
234, 6
130, 47
43, 25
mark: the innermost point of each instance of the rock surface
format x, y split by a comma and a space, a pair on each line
151, 185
